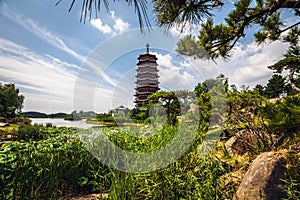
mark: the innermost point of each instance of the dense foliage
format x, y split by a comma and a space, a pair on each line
291, 60
51, 163
58, 164
46, 169
10, 101
170, 103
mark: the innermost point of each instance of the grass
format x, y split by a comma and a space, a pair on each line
59, 164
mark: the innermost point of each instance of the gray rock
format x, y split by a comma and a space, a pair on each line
263, 180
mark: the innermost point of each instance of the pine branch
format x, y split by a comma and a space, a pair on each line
288, 28
250, 19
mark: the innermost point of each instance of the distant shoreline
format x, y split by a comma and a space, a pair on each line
113, 123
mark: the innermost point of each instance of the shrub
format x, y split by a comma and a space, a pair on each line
28, 132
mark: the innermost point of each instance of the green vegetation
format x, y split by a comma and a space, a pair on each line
52, 163
169, 101
220, 39
48, 168
57, 164
34, 114
79, 115
11, 101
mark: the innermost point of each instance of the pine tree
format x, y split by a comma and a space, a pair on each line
275, 87
291, 60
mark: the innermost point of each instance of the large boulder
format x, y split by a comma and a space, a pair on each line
263, 180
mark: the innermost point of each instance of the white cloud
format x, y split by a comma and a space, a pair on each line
175, 76
119, 25
249, 63
247, 66
46, 82
185, 28
98, 24
52, 85
39, 31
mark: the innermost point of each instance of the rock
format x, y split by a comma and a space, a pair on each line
4, 124
240, 143
232, 146
11, 138
194, 109
263, 178
236, 146
2, 119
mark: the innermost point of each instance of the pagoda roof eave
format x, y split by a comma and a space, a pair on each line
147, 54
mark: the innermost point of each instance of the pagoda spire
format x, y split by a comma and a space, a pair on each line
147, 46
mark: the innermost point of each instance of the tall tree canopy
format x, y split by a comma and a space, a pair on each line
275, 87
217, 39
169, 101
10, 100
291, 60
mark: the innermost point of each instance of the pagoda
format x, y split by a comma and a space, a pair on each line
146, 78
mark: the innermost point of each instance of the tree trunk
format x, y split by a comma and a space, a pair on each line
291, 77
295, 87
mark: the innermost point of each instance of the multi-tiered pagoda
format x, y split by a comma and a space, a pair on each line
147, 78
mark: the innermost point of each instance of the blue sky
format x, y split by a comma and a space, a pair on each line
60, 64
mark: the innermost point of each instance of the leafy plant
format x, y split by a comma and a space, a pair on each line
49, 168
28, 132
283, 117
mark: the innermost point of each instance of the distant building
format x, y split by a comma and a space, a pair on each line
146, 78
121, 110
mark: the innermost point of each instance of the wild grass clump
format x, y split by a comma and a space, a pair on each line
292, 175
190, 177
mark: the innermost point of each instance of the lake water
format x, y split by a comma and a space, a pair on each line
62, 122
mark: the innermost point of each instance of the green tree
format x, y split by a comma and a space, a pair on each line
189, 47
260, 89
275, 87
169, 101
289, 90
220, 39
10, 100
212, 99
185, 98
291, 60
139, 114
283, 117
219, 82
